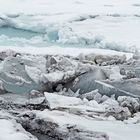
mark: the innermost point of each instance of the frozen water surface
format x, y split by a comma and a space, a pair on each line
18, 33
100, 24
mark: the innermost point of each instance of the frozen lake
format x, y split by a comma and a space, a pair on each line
100, 24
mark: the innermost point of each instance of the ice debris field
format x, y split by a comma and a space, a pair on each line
69, 70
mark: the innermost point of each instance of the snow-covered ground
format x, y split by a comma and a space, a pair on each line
10, 130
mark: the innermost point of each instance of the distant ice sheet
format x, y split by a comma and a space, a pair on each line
104, 24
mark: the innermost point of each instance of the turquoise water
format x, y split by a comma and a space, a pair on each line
14, 36
18, 33
10, 36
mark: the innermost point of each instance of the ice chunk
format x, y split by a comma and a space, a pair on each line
89, 82
34, 73
14, 74
54, 76
129, 85
58, 101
